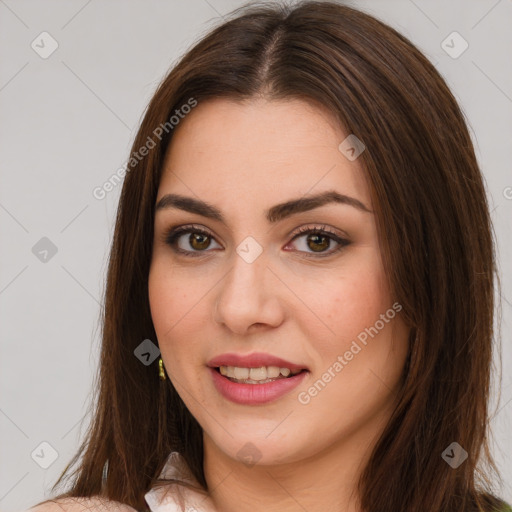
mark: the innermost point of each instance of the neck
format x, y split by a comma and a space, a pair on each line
324, 481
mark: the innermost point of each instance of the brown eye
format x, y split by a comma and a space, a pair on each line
315, 243
197, 242
318, 243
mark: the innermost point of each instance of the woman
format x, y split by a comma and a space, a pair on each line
303, 234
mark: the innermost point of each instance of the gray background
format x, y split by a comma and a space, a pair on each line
67, 125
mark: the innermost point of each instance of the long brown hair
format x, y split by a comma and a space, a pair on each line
436, 238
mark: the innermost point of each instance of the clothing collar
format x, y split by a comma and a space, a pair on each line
163, 499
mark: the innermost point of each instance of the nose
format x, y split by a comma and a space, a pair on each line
248, 297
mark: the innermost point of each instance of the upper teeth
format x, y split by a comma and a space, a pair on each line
261, 373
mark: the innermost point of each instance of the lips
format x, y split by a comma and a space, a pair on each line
255, 393
255, 360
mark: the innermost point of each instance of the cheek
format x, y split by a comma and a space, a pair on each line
353, 300
172, 293
367, 352
173, 304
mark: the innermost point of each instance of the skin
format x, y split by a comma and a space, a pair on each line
244, 158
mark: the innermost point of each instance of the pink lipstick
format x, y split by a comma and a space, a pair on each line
255, 378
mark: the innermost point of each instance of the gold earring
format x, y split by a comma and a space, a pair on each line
161, 371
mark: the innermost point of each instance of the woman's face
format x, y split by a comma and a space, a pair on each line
256, 283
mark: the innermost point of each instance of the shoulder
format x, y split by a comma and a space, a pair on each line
492, 503
89, 504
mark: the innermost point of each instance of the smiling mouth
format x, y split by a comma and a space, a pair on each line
260, 375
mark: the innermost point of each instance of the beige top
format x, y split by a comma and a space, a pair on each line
176, 467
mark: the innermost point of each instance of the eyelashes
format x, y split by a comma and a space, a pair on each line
202, 236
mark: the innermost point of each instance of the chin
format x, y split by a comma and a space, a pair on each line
252, 447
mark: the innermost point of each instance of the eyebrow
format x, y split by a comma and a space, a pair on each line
274, 214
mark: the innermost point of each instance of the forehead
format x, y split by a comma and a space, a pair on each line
270, 148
